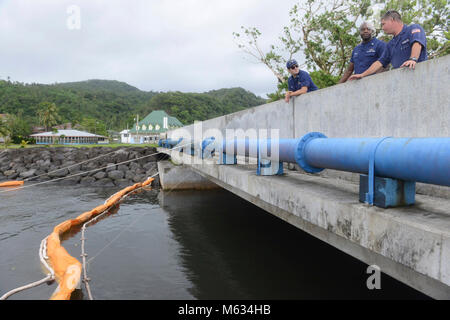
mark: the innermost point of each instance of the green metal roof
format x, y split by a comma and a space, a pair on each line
154, 123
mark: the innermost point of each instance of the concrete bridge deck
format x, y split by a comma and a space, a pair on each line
411, 244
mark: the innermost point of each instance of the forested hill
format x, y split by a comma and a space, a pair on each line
116, 103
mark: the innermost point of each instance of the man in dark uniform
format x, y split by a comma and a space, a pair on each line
366, 53
299, 82
406, 49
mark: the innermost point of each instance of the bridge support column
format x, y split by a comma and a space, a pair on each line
181, 177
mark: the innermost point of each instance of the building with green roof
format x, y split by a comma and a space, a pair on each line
149, 129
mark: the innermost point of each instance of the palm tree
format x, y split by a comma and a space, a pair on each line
48, 114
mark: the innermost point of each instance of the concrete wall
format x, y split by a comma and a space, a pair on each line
398, 103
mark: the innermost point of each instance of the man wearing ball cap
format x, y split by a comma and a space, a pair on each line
299, 82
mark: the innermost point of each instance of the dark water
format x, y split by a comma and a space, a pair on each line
179, 245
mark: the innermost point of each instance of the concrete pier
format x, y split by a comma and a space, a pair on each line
181, 177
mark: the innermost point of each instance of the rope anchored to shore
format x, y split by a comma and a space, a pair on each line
65, 268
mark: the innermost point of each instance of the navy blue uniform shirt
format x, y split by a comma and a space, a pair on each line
367, 53
398, 50
303, 79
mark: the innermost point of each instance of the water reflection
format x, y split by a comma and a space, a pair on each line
231, 249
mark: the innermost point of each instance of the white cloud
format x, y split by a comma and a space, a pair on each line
184, 45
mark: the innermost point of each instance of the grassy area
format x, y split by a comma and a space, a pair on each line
111, 145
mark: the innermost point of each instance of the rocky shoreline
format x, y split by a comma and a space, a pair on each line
42, 163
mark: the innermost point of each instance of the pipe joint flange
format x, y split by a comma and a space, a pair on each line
300, 151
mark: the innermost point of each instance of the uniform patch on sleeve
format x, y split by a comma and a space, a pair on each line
415, 30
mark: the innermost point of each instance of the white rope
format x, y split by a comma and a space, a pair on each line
43, 257
28, 286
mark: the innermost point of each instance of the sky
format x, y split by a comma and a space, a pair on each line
171, 45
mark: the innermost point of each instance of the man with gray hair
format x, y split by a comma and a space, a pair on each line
365, 53
406, 49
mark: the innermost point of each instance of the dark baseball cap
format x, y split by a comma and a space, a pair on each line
291, 63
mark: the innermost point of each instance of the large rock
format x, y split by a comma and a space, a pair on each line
80, 156
74, 169
134, 166
13, 176
21, 169
39, 172
116, 174
149, 166
121, 155
138, 178
129, 175
100, 175
9, 172
111, 167
28, 174
58, 157
89, 166
45, 164
58, 173
70, 181
87, 181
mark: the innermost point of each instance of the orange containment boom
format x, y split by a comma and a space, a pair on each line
11, 183
67, 268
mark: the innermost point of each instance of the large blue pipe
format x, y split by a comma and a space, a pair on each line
250, 148
424, 160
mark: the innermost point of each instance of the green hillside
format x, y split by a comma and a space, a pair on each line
115, 103
98, 85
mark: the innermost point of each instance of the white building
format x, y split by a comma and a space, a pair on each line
125, 136
69, 137
152, 127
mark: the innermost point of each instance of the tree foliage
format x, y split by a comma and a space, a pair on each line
94, 126
47, 114
113, 104
17, 127
188, 107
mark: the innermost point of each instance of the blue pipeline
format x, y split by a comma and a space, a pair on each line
169, 143
251, 147
424, 160
207, 142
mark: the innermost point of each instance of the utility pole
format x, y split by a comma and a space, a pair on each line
137, 128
